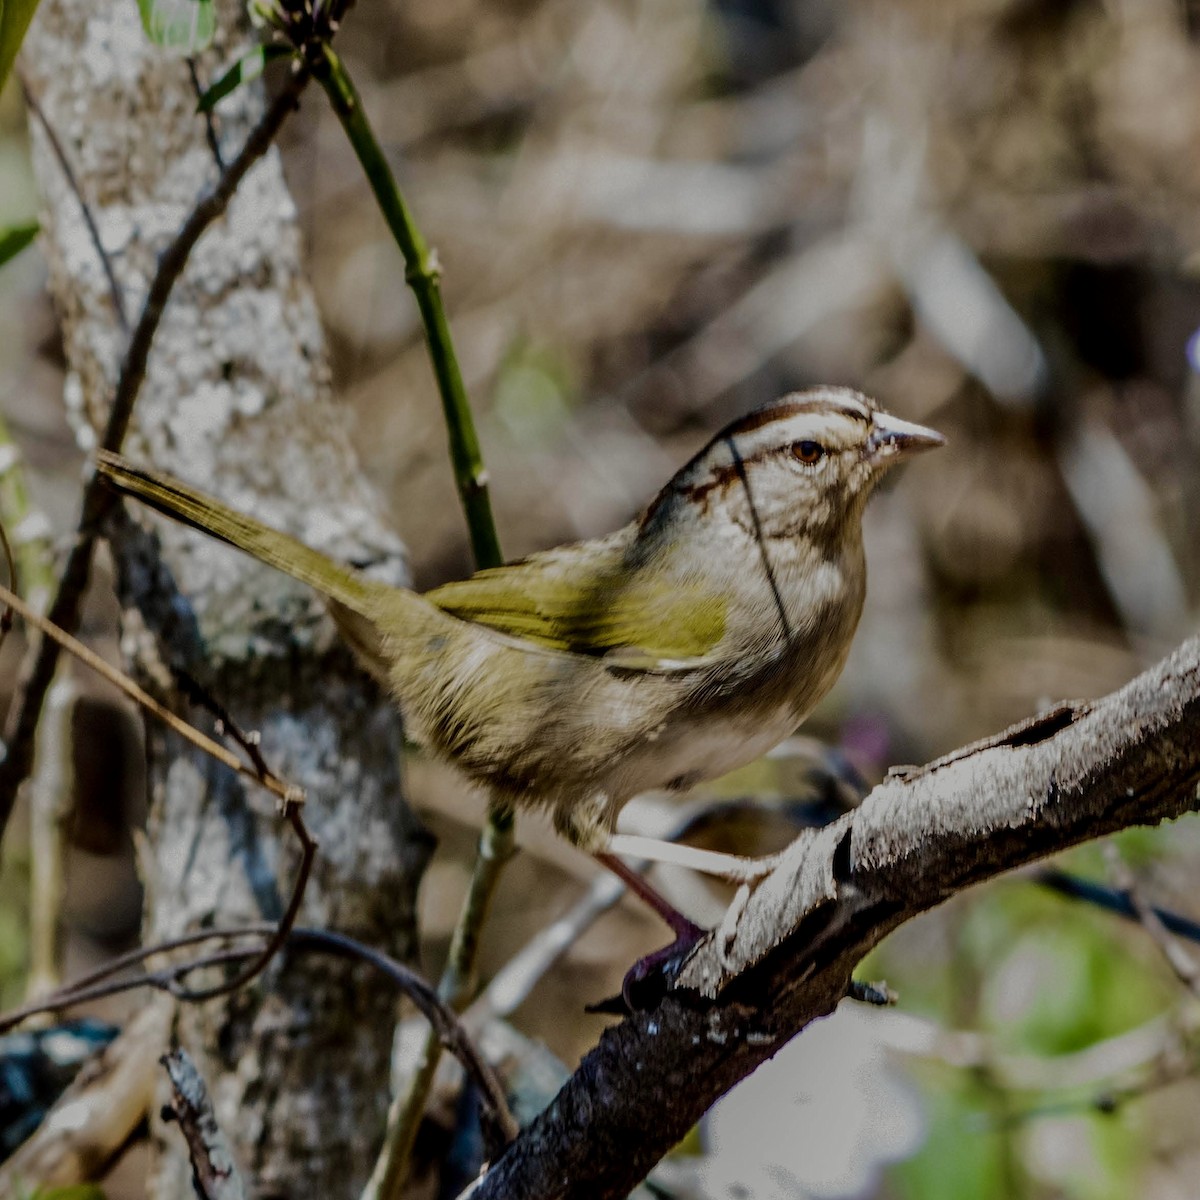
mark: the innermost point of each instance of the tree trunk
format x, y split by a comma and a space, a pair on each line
237, 399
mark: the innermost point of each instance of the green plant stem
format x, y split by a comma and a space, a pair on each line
456, 988
422, 272
50, 785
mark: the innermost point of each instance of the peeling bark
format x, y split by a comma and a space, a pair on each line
1077, 773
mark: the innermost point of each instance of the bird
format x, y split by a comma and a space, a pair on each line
677, 648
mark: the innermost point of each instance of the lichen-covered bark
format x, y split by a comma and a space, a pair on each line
1080, 772
237, 398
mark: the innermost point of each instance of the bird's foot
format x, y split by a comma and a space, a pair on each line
647, 981
650, 978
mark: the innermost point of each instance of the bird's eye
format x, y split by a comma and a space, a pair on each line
808, 452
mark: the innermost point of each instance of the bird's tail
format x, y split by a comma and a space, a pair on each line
192, 507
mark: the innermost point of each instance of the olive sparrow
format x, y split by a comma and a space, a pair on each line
679, 647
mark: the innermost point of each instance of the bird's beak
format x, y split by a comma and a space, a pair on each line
894, 439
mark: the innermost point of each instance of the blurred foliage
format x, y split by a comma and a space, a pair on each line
14, 921
15, 16
979, 1145
1043, 978
963, 1155
247, 69
14, 239
185, 26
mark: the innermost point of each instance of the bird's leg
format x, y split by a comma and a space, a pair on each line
745, 872
733, 868
687, 933
637, 883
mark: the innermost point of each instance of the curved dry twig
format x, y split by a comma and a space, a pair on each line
114, 287
291, 798
280, 932
215, 1175
498, 1123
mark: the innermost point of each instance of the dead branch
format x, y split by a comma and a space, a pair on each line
97, 1115
214, 1173
1076, 773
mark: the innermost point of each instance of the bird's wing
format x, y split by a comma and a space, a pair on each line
591, 602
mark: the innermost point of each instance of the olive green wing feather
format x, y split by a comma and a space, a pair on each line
595, 604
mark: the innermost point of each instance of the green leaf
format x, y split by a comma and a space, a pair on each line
15, 16
964, 1154
184, 25
14, 238
246, 70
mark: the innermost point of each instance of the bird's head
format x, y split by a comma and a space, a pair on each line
804, 464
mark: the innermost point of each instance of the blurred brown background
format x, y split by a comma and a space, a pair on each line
653, 214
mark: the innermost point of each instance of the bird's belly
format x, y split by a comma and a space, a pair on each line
696, 751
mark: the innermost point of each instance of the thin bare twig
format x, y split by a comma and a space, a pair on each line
215, 1175
92, 985
499, 1125
210, 122
114, 286
196, 693
166, 979
1180, 961
308, 852
1107, 899
290, 796
1088, 1068
1168, 1070
64, 610
251, 747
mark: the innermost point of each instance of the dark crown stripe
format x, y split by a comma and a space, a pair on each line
850, 405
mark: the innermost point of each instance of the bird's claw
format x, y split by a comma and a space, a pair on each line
726, 932
650, 978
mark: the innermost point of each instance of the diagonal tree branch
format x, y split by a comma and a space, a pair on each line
65, 608
1076, 773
